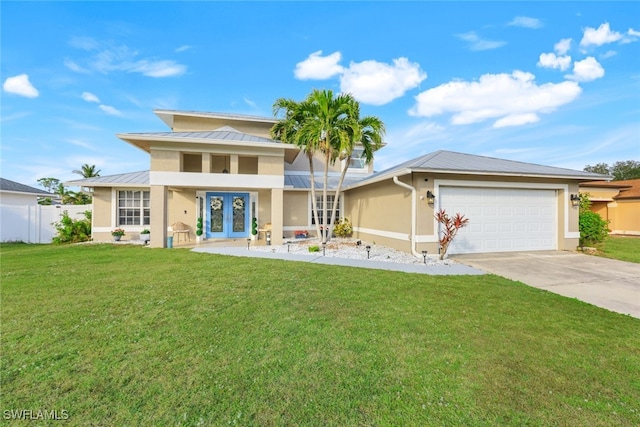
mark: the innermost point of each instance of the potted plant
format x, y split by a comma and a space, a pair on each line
145, 235
117, 234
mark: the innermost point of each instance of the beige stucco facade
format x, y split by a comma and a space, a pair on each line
618, 203
216, 159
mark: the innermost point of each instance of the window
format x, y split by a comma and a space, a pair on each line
330, 200
357, 161
133, 208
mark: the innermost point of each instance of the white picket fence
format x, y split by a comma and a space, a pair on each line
34, 224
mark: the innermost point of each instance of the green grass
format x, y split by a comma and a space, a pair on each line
621, 248
122, 335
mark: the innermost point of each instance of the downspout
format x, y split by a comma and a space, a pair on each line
413, 214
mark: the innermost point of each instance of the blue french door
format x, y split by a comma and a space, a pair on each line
227, 215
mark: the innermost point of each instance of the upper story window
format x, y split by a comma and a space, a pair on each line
134, 207
357, 162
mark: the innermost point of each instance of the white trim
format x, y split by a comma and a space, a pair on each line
427, 238
215, 180
390, 234
437, 183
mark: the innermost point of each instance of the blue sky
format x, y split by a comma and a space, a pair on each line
544, 82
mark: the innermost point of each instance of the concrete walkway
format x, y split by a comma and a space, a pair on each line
606, 283
439, 270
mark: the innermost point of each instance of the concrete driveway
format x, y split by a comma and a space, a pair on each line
606, 283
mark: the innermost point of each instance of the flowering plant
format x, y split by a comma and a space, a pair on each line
117, 232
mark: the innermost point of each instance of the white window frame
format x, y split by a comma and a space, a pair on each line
331, 196
142, 206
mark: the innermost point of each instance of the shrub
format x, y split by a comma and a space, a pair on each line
314, 248
343, 228
73, 230
450, 227
593, 229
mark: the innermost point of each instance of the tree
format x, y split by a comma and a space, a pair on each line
621, 171
49, 184
87, 171
366, 132
287, 130
624, 170
332, 127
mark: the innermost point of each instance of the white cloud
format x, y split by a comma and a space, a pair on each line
586, 70
550, 60
318, 67
600, 36
633, 33
370, 82
183, 48
477, 43
74, 66
20, 85
112, 111
526, 22
89, 97
563, 46
608, 54
164, 68
377, 83
250, 103
512, 99
106, 58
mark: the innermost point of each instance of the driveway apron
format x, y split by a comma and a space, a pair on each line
606, 283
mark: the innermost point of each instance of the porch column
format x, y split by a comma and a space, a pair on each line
159, 216
277, 201
206, 162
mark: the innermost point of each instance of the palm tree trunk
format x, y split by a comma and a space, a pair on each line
336, 199
325, 237
314, 205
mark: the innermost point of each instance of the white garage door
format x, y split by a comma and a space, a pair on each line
501, 219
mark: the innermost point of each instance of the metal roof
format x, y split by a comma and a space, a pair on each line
131, 179
303, 182
225, 133
16, 187
451, 162
167, 116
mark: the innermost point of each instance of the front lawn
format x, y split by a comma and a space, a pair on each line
123, 335
619, 247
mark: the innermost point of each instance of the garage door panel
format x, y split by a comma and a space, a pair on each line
502, 220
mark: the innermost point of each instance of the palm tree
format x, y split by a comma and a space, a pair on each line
287, 130
87, 171
332, 126
367, 133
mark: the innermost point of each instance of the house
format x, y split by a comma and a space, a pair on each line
617, 202
20, 213
226, 170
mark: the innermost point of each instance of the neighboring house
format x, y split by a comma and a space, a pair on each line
14, 193
20, 214
617, 202
226, 169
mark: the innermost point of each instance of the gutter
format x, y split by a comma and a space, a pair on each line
413, 213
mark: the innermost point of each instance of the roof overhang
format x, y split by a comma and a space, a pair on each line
167, 116
144, 142
384, 176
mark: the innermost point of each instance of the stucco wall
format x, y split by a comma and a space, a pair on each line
624, 216
296, 212
185, 124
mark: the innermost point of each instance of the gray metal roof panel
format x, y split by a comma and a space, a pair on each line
129, 179
304, 181
225, 133
233, 116
16, 187
449, 161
